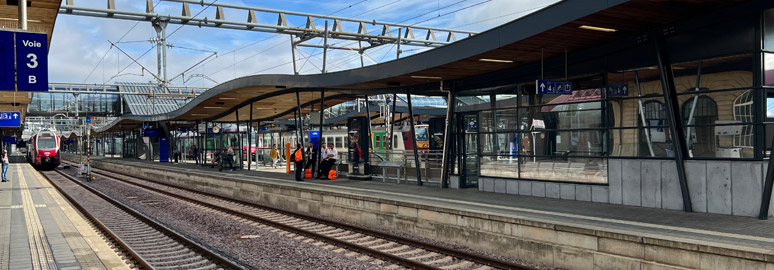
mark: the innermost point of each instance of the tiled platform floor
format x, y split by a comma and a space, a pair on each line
40, 230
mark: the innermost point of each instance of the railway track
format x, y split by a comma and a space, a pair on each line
373, 246
149, 244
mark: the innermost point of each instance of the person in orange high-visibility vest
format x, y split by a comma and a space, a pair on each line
298, 158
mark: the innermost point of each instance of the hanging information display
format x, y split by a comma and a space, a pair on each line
553, 87
28, 53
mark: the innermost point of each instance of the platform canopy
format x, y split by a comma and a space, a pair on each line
565, 27
41, 15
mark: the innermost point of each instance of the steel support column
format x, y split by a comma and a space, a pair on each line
370, 142
447, 139
249, 139
322, 124
300, 126
766, 200
325, 48
22, 14
414, 138
392, 120
676, 126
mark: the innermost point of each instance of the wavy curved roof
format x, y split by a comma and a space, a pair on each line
548, 33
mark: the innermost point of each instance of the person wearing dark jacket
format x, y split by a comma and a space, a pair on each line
311, 155
299, 152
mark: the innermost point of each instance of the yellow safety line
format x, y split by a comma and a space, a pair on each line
42, 258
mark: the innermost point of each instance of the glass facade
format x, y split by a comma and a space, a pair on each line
527, 135
52, 102
717, 106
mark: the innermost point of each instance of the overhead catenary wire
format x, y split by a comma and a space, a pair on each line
273, 46
111, 46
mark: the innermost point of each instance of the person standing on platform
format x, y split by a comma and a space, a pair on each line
311, 154
230, 157
323, 154
196, 154
274, 156
328, 161
298, 158
5, 165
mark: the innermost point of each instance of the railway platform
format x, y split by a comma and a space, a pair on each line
578, 235
40, 230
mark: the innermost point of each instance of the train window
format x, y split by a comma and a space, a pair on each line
339, 143
46, 142
394, 141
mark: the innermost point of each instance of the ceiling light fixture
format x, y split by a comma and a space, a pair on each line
199, 114
495, 60
213, 107
596, 28
426, 77
16, 20
227, 98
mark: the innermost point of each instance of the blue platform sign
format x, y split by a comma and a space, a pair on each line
32, 61
9, 139
7, 79
617, 90
554, 87
10, 119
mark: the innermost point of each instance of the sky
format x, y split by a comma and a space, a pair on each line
81, 51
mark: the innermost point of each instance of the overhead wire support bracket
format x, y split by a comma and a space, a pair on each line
337, 32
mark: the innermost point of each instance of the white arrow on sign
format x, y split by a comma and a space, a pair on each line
542, 87
15, 115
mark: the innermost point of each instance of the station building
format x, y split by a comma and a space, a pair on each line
670, 104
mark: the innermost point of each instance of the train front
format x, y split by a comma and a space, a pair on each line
46, 154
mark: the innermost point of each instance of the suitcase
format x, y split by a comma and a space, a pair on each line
332, 175
308, 174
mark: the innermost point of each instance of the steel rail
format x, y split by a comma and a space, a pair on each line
211, 255
480, 259
102, 227
331, 240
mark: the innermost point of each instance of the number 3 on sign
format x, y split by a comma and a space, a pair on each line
33, 60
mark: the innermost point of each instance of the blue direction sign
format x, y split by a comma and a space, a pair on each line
554, 87
617, 90
32, 61
7, 79
10, 119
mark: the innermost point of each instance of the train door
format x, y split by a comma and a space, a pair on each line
468, 127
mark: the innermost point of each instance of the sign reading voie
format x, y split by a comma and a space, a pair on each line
7, 80
10, 119
31, 61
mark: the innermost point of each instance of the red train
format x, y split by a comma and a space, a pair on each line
43, 150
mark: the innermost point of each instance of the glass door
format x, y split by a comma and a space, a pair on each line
470, 158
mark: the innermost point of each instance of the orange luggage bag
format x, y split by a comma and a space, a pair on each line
332, 175
308, 174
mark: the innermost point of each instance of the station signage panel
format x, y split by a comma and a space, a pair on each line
7, 79
554, 87
28, 53
10, 119
617, 90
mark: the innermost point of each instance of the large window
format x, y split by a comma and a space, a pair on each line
716, 98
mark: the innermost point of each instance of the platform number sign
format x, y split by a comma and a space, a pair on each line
30, 52
31, 62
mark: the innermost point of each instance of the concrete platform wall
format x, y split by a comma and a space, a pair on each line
562, 245
719, 187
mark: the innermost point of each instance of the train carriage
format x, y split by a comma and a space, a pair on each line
43, 150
